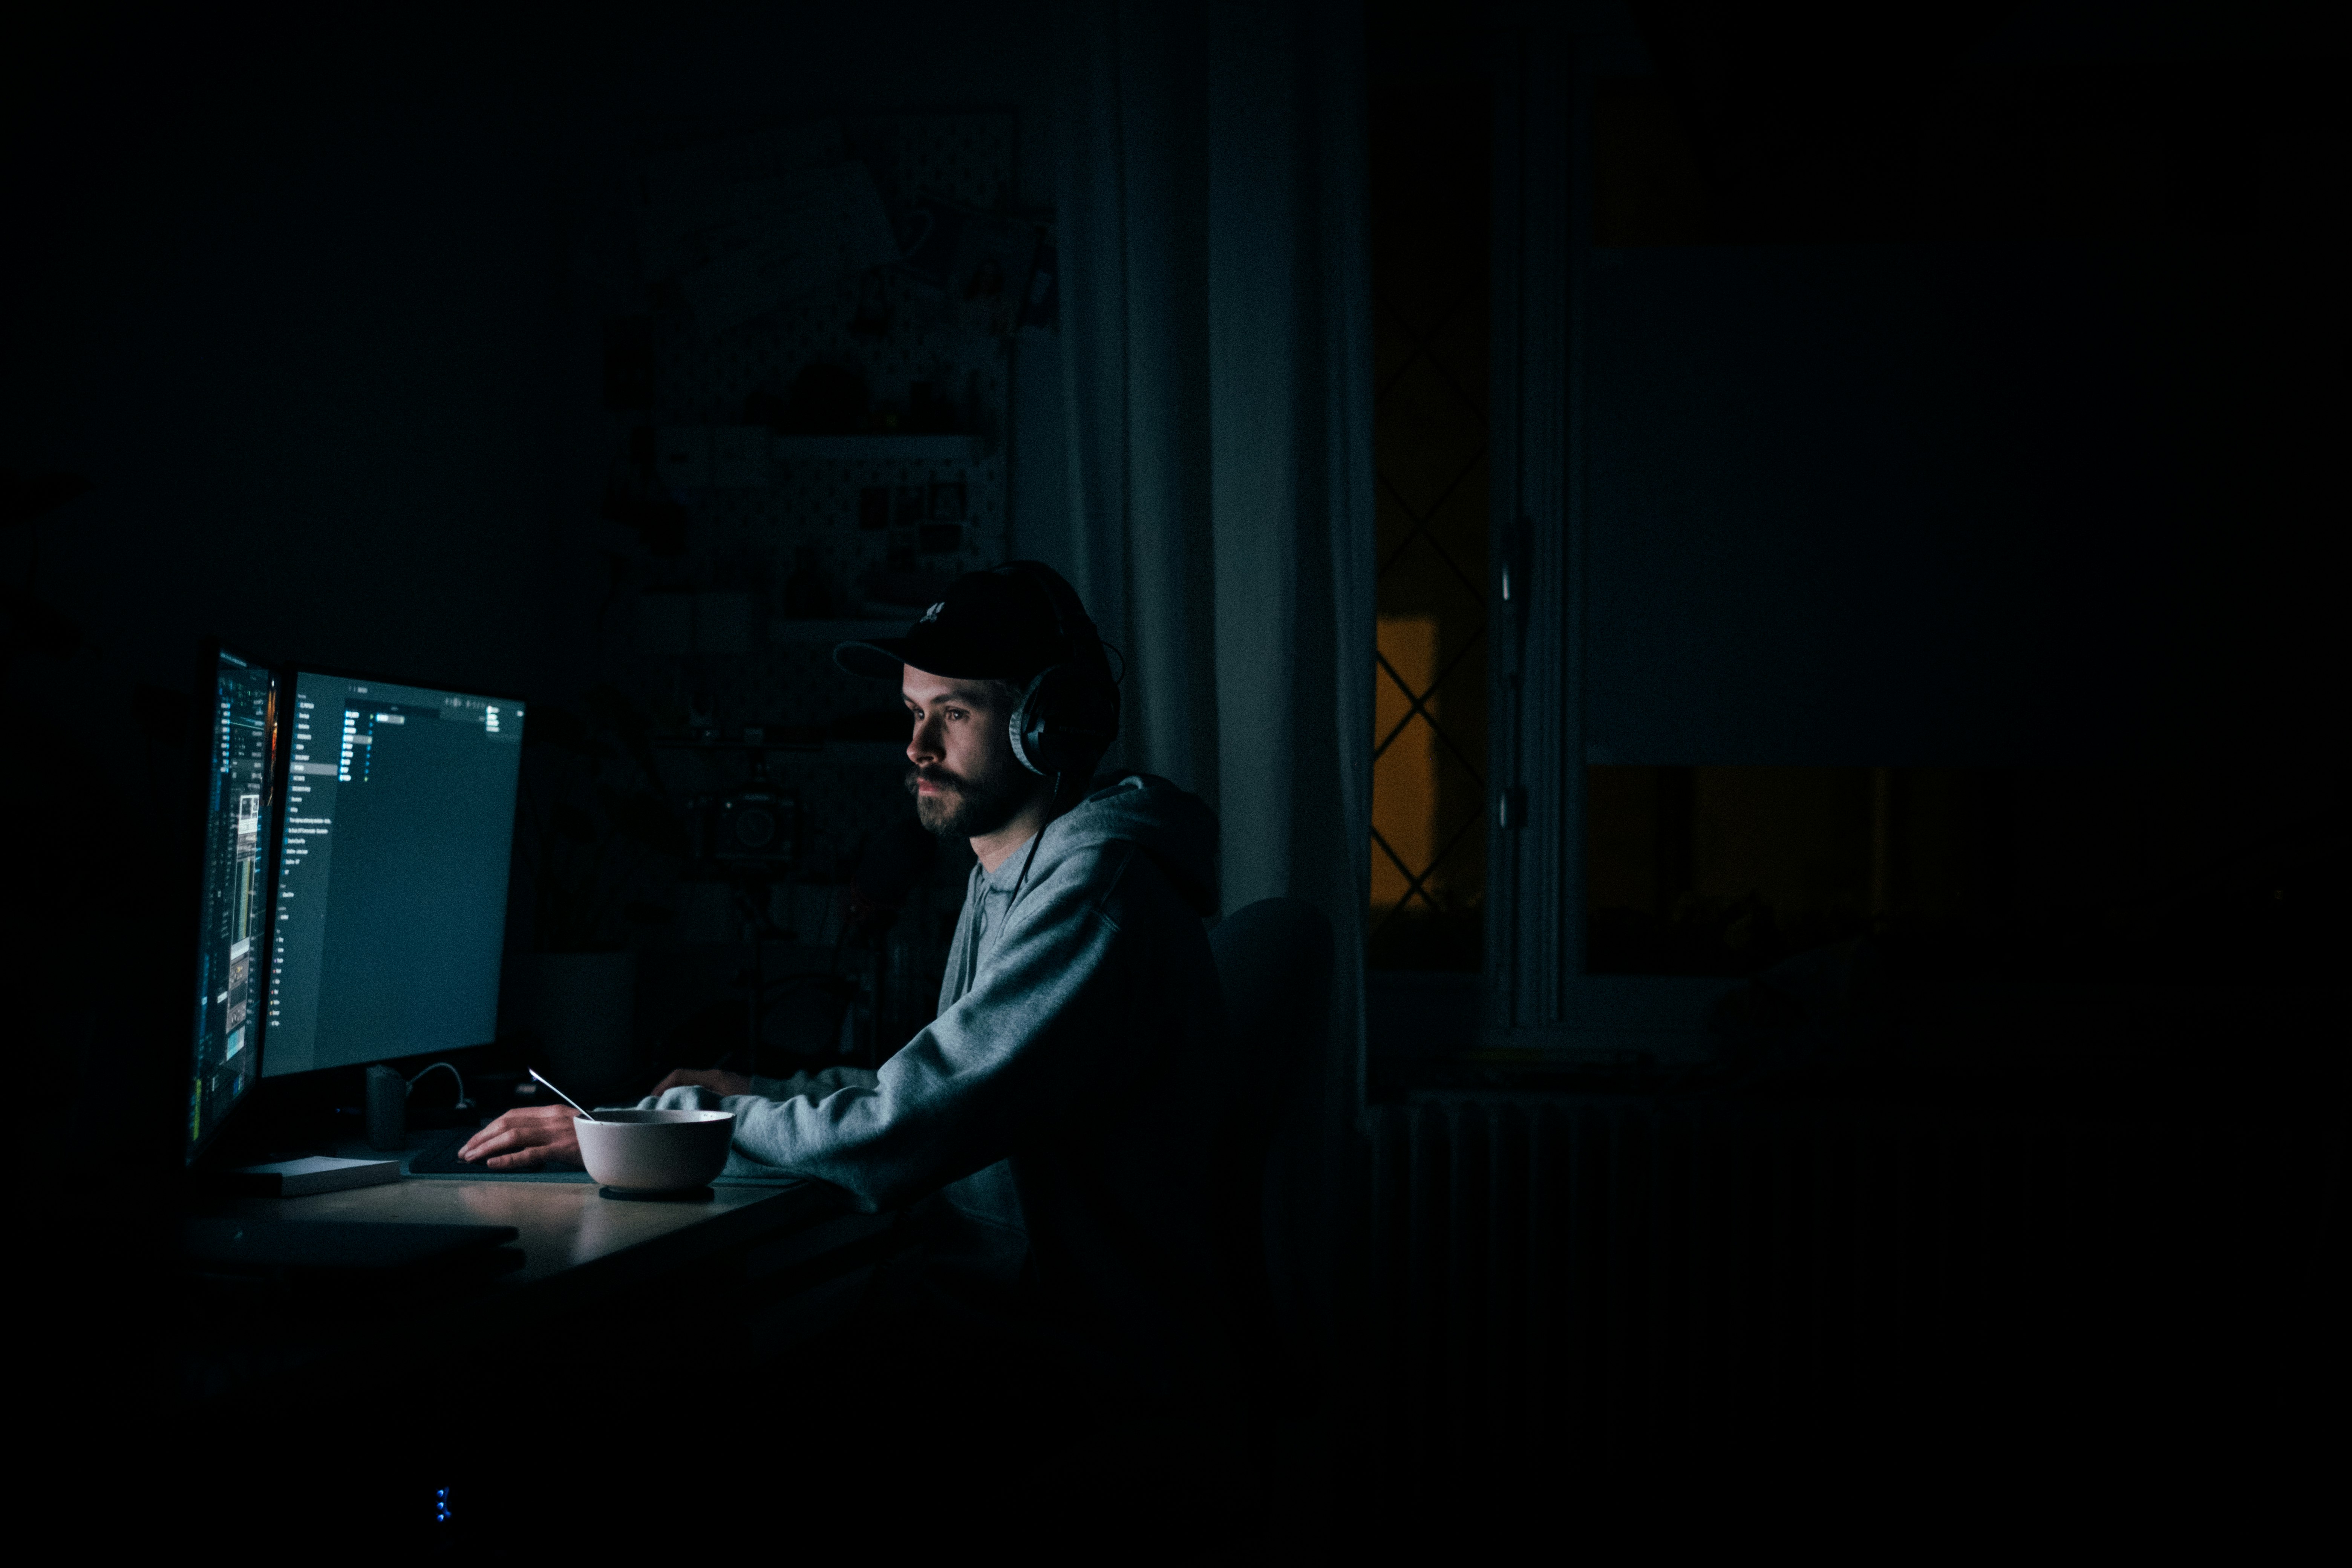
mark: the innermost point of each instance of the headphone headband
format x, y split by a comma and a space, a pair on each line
1069, 714
1071, 622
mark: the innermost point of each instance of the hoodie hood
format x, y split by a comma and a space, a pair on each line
1172, 825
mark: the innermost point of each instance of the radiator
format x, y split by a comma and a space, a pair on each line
1624, 1277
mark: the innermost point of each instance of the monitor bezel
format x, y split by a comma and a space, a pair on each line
292, 674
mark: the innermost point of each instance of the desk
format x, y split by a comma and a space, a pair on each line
753, 1269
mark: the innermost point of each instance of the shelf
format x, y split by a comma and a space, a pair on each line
880, 448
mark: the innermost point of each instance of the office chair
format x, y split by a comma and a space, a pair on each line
1273, 964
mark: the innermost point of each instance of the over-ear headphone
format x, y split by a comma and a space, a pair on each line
1070, 715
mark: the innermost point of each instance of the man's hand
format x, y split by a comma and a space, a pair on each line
719, 1083
521, 1139
543, 1135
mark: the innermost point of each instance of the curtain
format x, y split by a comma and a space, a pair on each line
1216, 330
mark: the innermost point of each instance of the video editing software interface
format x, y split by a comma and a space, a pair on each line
229, 922
392, 872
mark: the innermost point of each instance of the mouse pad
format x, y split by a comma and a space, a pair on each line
440, 1159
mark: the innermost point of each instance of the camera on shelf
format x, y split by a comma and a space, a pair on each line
758, 828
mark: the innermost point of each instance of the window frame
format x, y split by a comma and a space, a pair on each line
1541, 1003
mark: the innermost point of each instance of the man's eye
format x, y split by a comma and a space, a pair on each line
957, 713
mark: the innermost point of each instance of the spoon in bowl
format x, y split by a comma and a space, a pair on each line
565, 1098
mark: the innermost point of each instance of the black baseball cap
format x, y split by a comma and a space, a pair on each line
990, 625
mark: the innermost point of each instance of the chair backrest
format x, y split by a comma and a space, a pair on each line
1273, 964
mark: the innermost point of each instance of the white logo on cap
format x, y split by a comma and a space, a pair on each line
933, 613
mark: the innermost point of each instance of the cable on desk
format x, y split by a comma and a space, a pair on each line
463, 1102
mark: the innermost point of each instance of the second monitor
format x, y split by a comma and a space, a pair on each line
392, 872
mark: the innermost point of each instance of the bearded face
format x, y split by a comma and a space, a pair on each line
974, 803
966, 782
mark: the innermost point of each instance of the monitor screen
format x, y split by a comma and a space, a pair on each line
392, 872
238, 784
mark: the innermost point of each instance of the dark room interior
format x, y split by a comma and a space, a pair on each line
1719, 615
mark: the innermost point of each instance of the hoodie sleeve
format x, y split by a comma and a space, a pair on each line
1041, 1029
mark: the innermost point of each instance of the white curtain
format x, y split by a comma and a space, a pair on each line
1216, 329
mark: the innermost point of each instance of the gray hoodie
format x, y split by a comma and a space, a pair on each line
1061, 1104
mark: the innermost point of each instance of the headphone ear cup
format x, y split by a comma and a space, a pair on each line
1031, 731
1066, 719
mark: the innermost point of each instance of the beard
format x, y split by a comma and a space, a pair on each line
970, 806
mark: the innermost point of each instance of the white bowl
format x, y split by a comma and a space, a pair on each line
655, 1151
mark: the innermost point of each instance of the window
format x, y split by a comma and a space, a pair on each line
1430, 176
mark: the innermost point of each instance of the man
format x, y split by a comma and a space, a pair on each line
1051, 1132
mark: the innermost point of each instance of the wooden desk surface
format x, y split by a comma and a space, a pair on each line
564, 1226
581, 1250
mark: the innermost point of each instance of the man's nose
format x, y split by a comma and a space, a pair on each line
924, 747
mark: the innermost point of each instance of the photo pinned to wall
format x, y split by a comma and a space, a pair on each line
981, 266
913, 506
947, 502
929, 231
679, 198
733, 228
874, 507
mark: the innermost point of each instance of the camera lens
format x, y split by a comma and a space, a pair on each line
756, 825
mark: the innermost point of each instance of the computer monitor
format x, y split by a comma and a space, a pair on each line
392, 871
240, 785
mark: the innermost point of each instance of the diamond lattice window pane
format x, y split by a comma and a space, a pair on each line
1429, 671
1404, 774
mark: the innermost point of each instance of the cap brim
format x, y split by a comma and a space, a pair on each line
878, 660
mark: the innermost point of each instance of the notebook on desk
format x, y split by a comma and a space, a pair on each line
309, 1176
